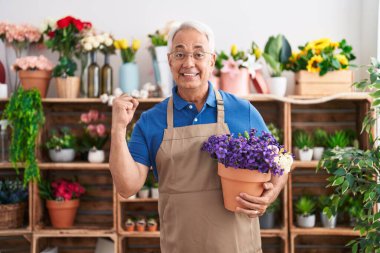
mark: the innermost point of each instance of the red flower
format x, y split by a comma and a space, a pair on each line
51, 34
65, 22
78, 24
87, 25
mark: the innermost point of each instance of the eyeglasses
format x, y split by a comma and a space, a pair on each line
197, 55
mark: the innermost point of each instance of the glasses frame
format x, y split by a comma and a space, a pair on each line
189, 53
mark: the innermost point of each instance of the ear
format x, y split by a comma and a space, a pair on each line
169, 60
212, 60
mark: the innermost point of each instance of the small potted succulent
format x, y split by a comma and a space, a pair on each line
304, 143
152, 225
13, 196
320, 138
130, 225
338, 140
323, 202
141, 224
154, 189
144, 192
305, 208
267, 220
61, 145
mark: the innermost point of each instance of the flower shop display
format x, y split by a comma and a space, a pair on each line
276, 54
61, 145
62, 200
13, 200
129, 72
17, 39
25, 113
69, 30
267, 220
34, 72
305, 208
95, 135
321, 67
323, 202
159, 51
304, 143
246, 162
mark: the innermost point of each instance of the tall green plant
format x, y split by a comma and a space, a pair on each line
276, 53
355, 172
320, 137
26, 116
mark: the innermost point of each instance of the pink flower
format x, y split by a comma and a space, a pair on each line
33, 63
103, 117
93, 115
91, 130
84, 118
101, 130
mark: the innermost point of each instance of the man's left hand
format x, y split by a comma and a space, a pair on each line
256, 206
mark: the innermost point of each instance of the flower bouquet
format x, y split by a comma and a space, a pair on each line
246, 162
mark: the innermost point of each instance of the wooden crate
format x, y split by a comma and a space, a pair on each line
139, 244
324, 244
308, 83
273, 245
97, 209
16, 243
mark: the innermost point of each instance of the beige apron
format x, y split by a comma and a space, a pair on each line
192, 216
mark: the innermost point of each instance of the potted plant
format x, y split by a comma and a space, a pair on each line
129, 71
152, 225
61, 145
305, 208
130, 225
238, 172
26, 116
276, 54
354, 209
154, 190
13, 197
34, 72
267, 220
325, 205
304, 143
320, 138
338, 140
62, 200
144, 192
277, 133
70, 31
95, 135
321, 67
141, 224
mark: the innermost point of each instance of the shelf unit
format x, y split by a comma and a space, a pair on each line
286, 236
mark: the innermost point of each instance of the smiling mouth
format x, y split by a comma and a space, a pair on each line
189, 74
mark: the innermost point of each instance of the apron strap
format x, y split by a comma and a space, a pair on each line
219, 104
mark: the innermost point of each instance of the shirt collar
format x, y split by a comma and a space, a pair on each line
180, 103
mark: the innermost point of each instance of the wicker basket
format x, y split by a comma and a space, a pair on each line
12, 215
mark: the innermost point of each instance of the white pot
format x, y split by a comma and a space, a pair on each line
62, 155
161, 53
305, 154
328, 223
166, 79
277, 86
96, 156
318, 152
3, 90
155, 193
132, 197
144, 193
306, 221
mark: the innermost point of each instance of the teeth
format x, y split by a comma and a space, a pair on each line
189, 74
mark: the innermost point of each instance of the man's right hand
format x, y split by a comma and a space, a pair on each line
123, 109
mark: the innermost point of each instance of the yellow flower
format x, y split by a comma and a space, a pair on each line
334, 44
318, 45
116, 44
135, 45
294, 57
123, 44
257, 53
312, 65
342, 60
234, 50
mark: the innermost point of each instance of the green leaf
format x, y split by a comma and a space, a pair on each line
338, 181
373, 77
355, 248
376, 216
340, 172
375, 94
345, 186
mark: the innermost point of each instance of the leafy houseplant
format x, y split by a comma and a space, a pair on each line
276, 53
338, 140
61, 145
305, 208
13, 196
320, 138
355, 172
267, 220
328, 214
304, 143
251, 157
25, 113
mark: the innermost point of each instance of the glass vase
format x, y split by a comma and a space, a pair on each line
93, 77
107, 79
85, 64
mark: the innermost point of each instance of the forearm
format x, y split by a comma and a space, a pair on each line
278, 184
127, 175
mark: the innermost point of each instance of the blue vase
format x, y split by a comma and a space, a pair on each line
129, 77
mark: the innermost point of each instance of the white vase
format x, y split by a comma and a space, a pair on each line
318, 152
277, 86
96, 156
62, 155
144, 193
306, 221
155, 193
165, 80
328, 223
305, 154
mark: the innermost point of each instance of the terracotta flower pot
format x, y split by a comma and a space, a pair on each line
68, 87
130, 228
140, 227
235, 181
62, 213
152, 228
39, 79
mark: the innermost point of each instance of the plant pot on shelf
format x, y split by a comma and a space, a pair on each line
267, 220
68, 87
144, 193
305, 154
162, 72
140, 225
277, 86
318, 153
129, 77
328, 223
130, 225
308, 83
12, 215
306, 221
62, 213
96, 156
235, 181
38, 79
152, 225
155, 193
62, 155
235, 83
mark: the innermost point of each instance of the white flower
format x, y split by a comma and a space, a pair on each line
117, 92
110, 100
144, 94
108, 42
87, 46
95, 44
135, 93
274, 148
252, 65
99, 38
285, 161
149, 87
104, 98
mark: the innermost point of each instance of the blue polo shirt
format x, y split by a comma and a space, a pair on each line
240, 116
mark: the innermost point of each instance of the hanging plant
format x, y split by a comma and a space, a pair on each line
25, 113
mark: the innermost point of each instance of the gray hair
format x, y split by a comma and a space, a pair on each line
198, 26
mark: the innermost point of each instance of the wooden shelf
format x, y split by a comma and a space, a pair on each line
138, 200
136, 234
343, 231
15, 231
303, 164
63, 166
275, 232
74, 231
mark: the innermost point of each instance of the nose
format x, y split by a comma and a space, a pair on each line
188, 62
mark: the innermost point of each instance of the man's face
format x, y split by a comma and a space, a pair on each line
190, 60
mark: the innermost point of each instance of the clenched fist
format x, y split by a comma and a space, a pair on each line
123, 109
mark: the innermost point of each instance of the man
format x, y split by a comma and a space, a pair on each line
169, 137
